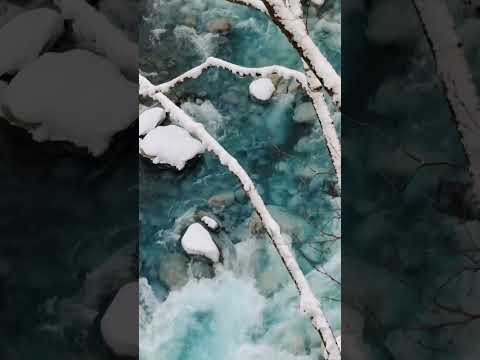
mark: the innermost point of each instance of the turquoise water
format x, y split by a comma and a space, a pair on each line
246, 307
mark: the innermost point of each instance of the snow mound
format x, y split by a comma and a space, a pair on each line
86, 102
149, 119
197, 241
119, 325
25, 36
211, 223
170, 145
262, 89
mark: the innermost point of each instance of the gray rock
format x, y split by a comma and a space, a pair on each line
219, 26
173, 271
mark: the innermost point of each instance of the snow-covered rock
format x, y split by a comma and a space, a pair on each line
173, 271
304, 113
149, 119
119, 325
318, 3
170, 145
25, 36
197, 241
211, 223
262, 89
86, 102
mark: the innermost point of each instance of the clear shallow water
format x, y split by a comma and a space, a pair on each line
249, 309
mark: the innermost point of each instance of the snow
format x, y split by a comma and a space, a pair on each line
25, 36
197, 241
119, 325
262, 89
70, 108
211, 223
149, 119
170, 145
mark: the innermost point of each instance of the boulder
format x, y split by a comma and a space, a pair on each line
198, 241
262, 89
170, 145
219, 26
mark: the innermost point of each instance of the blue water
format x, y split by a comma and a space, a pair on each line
245, 308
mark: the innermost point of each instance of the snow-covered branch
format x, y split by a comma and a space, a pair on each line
292, 25
254, 4
213, 62
101, 36
314, 92
456, 78
309, 304
289, 18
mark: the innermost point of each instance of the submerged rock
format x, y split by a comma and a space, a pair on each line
201, 268
219, 26
222, 200
290, 224
304, 113
173, 271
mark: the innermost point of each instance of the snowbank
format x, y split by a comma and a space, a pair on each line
262, 89
197, 241
25, 36
170, 145
149, 119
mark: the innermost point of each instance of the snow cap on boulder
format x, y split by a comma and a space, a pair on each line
149, 119
262, 89
197, 241
170, 145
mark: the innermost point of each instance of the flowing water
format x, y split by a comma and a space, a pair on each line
246, 307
